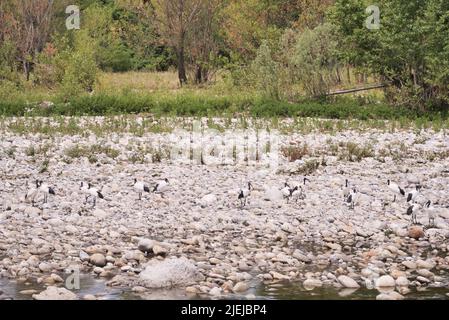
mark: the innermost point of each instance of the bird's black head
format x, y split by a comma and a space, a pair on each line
166, 180
89, 185
293, 190
388, 182
135, 180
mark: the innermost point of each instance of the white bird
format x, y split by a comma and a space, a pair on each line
352, 198
412, 195
431, 212
396, 189
244, 194
286, 191
46, 190
161, 186
413, 211
90, 192
297, 193
32, 193
140, 187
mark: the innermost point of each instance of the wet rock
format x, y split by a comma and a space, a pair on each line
240, 287
312, 283
390, 296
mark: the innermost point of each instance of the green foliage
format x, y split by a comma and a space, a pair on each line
315, 60
410, 50
265, 72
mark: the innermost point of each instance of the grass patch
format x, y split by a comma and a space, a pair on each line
91, 153
208, 104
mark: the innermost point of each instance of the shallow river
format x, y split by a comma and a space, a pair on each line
286, 291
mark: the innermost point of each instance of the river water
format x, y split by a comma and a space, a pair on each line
286, 291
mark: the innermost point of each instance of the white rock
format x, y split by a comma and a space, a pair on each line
208, 200
54, 293
385, 281
273, 194
348, 282
170, 273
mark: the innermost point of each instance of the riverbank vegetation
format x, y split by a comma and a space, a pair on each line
208, 58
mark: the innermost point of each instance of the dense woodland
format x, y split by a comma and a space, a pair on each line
285, 50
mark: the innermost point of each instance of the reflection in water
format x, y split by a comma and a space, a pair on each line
295, 291
285, 291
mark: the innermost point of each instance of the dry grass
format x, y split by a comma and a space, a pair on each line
295, 152
138, 82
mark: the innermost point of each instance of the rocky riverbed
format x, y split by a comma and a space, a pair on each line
196, 237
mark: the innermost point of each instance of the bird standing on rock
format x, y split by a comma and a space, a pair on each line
352, 198
396, 189
413, 212
46, 190
32, 193
140, 187
286, 191
91, 192
244, 194
431, 212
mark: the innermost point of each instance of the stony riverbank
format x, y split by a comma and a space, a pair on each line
197, 238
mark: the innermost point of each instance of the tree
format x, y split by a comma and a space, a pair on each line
176, 19
27, 25
315, 59
409, 51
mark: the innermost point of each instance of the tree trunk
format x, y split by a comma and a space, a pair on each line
198, 75
181, 67
26, 69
